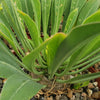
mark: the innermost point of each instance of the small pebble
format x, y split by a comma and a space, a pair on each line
70, 93
96, 95
83, 98
96, 89
57, 97
41, 98
71, 76
90, 86
95, 84
63, 97
48, 98
77, 96
73, 98
89, 92
37, 96
84, 94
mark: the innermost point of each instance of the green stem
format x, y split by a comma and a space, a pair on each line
84, 68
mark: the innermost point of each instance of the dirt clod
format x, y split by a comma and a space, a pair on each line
96, 95
70, 93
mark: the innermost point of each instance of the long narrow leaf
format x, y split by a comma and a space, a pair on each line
37, 12
71, 20
66, 12
7, 70
75, 40
77, 4
90, 7
93, 18
19, 87
34, 32
83, 78
58, 8
29, 59
46, 4
52, 48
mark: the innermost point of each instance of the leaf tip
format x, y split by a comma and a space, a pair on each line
22, 13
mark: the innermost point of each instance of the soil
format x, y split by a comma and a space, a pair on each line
56, 91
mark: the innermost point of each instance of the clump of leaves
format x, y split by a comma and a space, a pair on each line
49, 38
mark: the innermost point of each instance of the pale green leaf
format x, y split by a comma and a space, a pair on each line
93, 45
89, 8
57, 12
18, 3
30, 58
82, 78
37, 12
93, 18
45, 6
10, 12
26, 6
66, 12
71, 20
86, 50
6, 34
7, 57
77, 4
7, 70
34, 32
77, 38
19, 87
52, 48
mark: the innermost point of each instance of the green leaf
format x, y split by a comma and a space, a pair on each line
8, 58
79, 85
7, 35
93, 18
8, 63
4, 19
93, 45
52, 13
56, 13
19, 87
46, 4
76, 39
77, 4
5, 54
71, 20
5, 30
90, 7
10, 12
82, 78
34, 32
18, 3
26, 6
75, 57
66, 12
7, 70
52, 48
37, 12
30, 59
86, 50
